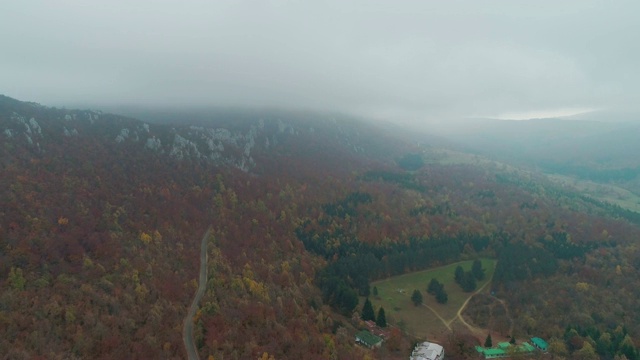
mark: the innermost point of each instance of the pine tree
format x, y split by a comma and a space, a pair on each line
416, 297
459, 275
434, 286
381, 320
477, 270
367, 311
468, 282
442, 297
488, 342
375, 291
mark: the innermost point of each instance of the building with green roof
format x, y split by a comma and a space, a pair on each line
367, 339
540, 343
505, 349
494, 353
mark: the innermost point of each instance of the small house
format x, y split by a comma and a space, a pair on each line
540, 343
367, 339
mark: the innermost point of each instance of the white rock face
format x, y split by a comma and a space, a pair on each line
69, 133
183, 147
31, 128
153, 144
215, 145
124, 134
35, 126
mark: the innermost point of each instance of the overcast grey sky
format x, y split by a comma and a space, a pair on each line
396, 59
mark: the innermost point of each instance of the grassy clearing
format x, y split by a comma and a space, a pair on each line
604, 192
394, 294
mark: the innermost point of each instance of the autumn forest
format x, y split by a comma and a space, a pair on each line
102, 215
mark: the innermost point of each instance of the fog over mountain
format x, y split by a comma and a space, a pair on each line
412, 62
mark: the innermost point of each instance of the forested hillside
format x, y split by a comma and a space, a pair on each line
102, 217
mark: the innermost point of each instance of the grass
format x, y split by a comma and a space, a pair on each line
604, 192
394, 294
623, 196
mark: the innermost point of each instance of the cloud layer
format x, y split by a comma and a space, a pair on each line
412, 60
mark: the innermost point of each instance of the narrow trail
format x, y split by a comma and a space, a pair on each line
439, 317
473, 329
187, 325
506, 309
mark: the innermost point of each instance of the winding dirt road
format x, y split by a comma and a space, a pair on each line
473, 329
447, 324
187, 325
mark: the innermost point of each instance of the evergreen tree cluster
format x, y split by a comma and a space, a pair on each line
477, 270
466, 279
368, 314
352, 263
367, 311
518, 262
436, 289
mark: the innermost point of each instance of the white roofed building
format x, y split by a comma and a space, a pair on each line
427, 351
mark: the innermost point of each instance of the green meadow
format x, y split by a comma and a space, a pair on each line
430, 319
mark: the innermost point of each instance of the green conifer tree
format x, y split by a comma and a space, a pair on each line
477, 270
416, 297
367, 311
381, 320
488, 342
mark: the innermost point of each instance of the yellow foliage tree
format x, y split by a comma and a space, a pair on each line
266, 356
145, 238
141, 291
582, 286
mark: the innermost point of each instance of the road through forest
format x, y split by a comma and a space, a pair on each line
187, 325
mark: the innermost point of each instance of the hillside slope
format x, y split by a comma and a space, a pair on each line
103, 215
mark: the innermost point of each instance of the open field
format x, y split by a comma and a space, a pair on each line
623, 195
604, 192
431, 319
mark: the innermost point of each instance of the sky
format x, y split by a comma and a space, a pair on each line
406, 60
